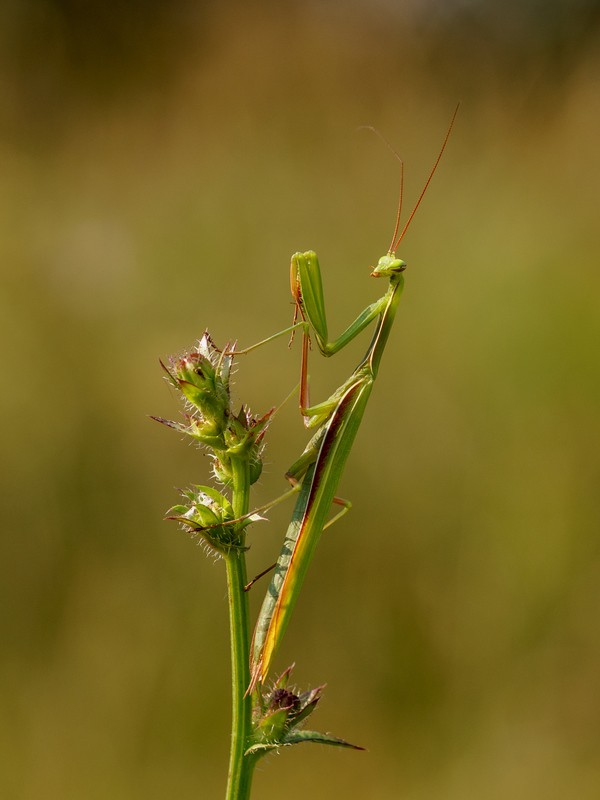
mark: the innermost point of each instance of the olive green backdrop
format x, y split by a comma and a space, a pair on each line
159, 163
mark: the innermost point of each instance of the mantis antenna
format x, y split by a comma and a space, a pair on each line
427, 182
391, 149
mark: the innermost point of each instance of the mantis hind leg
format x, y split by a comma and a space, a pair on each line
340, 501
346, 506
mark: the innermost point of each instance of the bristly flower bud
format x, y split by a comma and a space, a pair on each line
203, 376
280, 714
209, 516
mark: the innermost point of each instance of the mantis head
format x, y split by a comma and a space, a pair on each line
388, 266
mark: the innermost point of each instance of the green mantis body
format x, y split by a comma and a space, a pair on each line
337, 421
322, 463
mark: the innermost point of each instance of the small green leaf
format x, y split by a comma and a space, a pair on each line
260, 749
272, 726
218, 498
176, 511
298, 737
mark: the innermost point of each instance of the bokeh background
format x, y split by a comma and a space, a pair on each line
159, 163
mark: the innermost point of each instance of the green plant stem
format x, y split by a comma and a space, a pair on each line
240, 767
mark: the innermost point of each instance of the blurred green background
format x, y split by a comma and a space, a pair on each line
159, 163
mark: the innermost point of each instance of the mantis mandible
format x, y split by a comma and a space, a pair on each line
336, 420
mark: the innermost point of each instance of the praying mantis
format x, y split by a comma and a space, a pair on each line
317, 472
